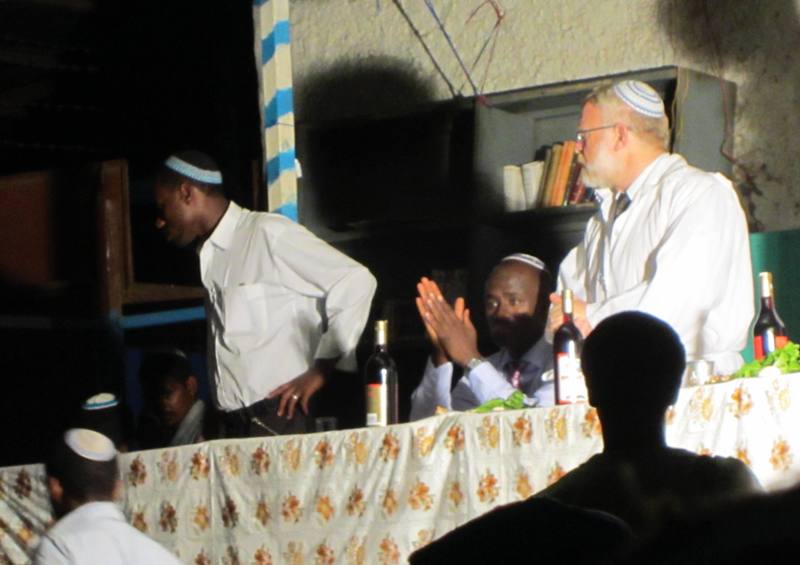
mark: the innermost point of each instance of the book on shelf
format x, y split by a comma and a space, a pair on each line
531, 181
553, 181
547, 163
565, 161
552, 170
513, 192
575, 188
579, 194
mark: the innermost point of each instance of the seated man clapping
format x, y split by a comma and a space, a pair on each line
515, 302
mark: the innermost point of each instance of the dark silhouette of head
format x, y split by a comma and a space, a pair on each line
633, 364
515, 302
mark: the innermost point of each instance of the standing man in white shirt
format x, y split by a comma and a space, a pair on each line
669, 239
515, 302
82, 478
284, 308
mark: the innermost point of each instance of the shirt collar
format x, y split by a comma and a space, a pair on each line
222, 236
99, 509
641, 181
607, 195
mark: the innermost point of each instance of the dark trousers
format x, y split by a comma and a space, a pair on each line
261, 419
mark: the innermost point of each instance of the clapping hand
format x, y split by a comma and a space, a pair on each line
449, 328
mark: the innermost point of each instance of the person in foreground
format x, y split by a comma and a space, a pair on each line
82, 478
633, 364
283, 307
515, 302
669, 239
752, 530
532, 531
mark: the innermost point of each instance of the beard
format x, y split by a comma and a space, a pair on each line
601, 171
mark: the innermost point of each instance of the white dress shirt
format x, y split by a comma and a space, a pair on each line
278, 298
489, 380
680, 252
96, 533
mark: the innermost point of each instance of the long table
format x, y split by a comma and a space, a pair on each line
375, 495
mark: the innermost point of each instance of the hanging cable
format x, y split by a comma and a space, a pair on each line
491, 38
427, 49
440, 24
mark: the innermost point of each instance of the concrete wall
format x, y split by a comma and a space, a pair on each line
357, 57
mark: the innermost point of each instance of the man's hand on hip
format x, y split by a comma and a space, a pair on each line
301, 388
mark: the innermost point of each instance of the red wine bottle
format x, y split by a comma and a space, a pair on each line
567, 343
381, 376
769, 332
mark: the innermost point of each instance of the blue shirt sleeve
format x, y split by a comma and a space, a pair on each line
487, 383
433, 391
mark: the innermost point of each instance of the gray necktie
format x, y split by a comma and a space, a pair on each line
620, 205
514, 373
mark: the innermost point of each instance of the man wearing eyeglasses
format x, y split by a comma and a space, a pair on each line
669, 239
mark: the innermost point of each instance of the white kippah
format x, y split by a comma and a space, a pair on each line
90, 444
641, 97
100, 401
193, 171
534, 262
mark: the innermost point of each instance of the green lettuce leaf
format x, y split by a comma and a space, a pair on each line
515, 401
787, 359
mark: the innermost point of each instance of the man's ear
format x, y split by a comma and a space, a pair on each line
191, 384
117, 493
55, 489
185, 192
622, 136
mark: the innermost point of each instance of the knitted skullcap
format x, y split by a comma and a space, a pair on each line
534, 262
103, 413
196, 166
640, 97
100, 401
90, 444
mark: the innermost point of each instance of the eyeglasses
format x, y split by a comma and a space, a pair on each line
580, 135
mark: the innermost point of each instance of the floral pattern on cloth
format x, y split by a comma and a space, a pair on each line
375, 495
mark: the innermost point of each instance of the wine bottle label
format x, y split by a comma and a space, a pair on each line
571, 386
768, 342
377, 404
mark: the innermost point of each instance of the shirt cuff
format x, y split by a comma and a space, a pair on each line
436, 382
432, 391
488, 383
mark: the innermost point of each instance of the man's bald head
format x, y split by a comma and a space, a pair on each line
516, 304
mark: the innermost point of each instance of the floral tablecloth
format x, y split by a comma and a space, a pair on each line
375, 495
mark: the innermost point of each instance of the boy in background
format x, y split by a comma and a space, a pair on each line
174, 414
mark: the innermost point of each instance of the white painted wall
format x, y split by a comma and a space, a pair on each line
750, 42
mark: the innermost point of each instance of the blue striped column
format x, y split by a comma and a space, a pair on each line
274, 57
